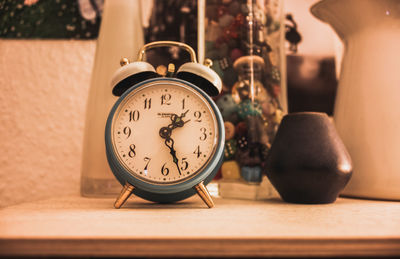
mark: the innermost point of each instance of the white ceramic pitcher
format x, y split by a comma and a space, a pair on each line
367, 108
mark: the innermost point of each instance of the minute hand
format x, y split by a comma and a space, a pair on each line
169, 142
165, 133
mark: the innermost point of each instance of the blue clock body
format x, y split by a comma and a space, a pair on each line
165, 193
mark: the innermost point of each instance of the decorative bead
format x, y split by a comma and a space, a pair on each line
230, 170
249, 156
231, 33
241, 129
242, 142
261, 94
251, 174
239, 20
224, 63
235, 54
222, 10
226, 20
230, 149
234, 118
275, 75
268, 108
229, 130
234, 8
226, 105
242, 90
249, 108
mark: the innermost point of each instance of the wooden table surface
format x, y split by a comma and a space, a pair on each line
92, 227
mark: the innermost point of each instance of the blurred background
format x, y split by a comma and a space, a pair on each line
47, 50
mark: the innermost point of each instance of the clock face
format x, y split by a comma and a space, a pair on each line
164, 132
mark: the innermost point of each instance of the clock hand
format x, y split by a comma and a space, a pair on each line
165, 133
178, 120
173, 116
169, 142
184, 114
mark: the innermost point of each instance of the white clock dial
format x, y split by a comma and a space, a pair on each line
183, 151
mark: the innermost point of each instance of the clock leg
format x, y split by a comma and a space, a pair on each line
124, 195
204, 194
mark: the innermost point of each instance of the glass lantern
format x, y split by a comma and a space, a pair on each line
244, 39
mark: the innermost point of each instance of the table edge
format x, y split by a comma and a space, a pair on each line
162, 247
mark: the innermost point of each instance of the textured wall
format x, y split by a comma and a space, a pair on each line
44, 87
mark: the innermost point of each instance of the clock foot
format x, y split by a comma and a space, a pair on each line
124, 195
204, 194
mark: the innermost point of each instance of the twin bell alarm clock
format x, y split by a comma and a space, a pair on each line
164, 136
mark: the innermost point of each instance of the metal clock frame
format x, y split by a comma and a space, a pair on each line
168, 192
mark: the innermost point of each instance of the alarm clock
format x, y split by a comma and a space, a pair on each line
165, 135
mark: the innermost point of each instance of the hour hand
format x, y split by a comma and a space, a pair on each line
178, 121
184, 114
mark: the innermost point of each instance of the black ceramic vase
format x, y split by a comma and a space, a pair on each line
308, 162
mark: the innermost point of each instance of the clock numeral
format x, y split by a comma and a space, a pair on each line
204, 135
134, 115
146, 159
127, 131
166, 99
197, 151
185, 164
197, 115
183, 103
132, 152
164, 170
147, 103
